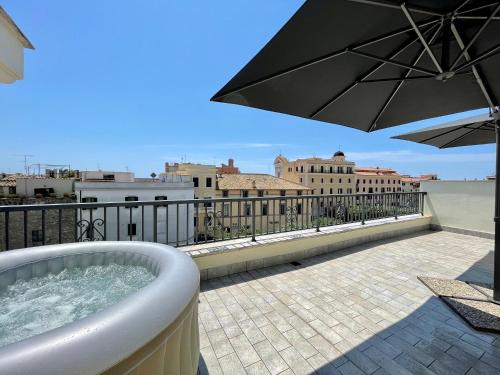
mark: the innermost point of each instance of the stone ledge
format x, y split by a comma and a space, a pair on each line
226, 257
475, 233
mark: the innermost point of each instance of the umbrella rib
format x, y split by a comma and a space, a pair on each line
475, 36
324, 58
399, 79
439, 135
476, 18
476, 8
457, 139
485, 55
460, 6
366, 75
422, 39
475, 70
392, 62
399, 84
395, 6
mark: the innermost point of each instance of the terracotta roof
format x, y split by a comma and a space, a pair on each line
252, 181
8, 181
368, 171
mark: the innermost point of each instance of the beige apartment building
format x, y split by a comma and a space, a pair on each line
377, 180
411, 184
323, 176
204, 177
271, 214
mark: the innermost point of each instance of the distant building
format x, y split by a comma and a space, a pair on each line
228, 169
235, 217
322, 176
411, 184
34, 186
97, 176
377, 180
180, 219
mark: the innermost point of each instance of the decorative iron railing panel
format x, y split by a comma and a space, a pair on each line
185, 222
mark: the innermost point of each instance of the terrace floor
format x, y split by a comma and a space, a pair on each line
356, 311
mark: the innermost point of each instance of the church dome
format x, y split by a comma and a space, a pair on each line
338, 153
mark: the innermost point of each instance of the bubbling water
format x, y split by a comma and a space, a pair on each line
28, 308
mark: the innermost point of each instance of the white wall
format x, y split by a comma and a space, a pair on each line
27, 186
11, 54
462, 205
116, 192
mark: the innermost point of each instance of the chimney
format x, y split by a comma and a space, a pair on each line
231, 162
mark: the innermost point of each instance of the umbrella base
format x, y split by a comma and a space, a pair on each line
473, 302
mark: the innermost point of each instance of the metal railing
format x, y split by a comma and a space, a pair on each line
187, 222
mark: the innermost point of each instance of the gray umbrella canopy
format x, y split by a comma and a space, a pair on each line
476, 130
372, 64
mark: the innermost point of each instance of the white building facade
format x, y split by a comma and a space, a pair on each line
174, 223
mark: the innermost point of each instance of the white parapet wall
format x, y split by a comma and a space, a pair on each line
461, 206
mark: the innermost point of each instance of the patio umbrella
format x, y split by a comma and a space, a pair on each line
477, 130
373, 64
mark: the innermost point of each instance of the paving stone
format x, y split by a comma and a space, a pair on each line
271, 358
244, 350
296, 362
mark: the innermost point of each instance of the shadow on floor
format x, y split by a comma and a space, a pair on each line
429, 339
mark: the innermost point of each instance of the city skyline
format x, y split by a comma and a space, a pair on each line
90, 106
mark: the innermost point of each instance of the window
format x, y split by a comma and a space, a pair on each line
382, 190
349, 170
340, 180
282, 209
349, 180
260, 193
370, 181
36, 235
248, 209
301, 179
161, 198
195, 221
195, 181
301, 169
376, 182
225, 193
321, 191
299, 209
364, 189
282, 193
264, 209
382, 181
331, 169
364, 181
132, 198
376, 189
339, 191
296, 169
312, 192
12, 190
226, 209
331, 190
89, 200
108, 177
312, 179
131, 230
312, 168
321, 180
244, 193
209, 182
299, 192
322, 169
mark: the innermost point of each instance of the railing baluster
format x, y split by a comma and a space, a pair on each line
59, 224
155, 223
118, 223
177, 226
7, 230
197, 216
187, 224
167, 211
130, 231
25, 226
142, 222
253, 220
43, 227
105, 230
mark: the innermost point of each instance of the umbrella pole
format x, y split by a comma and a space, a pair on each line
496, 254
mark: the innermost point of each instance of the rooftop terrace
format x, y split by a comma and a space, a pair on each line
359, 310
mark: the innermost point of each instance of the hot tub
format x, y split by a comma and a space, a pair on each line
152, 331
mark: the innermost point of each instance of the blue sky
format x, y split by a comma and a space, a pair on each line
118, 85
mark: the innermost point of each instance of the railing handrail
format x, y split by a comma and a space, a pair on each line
129, 204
